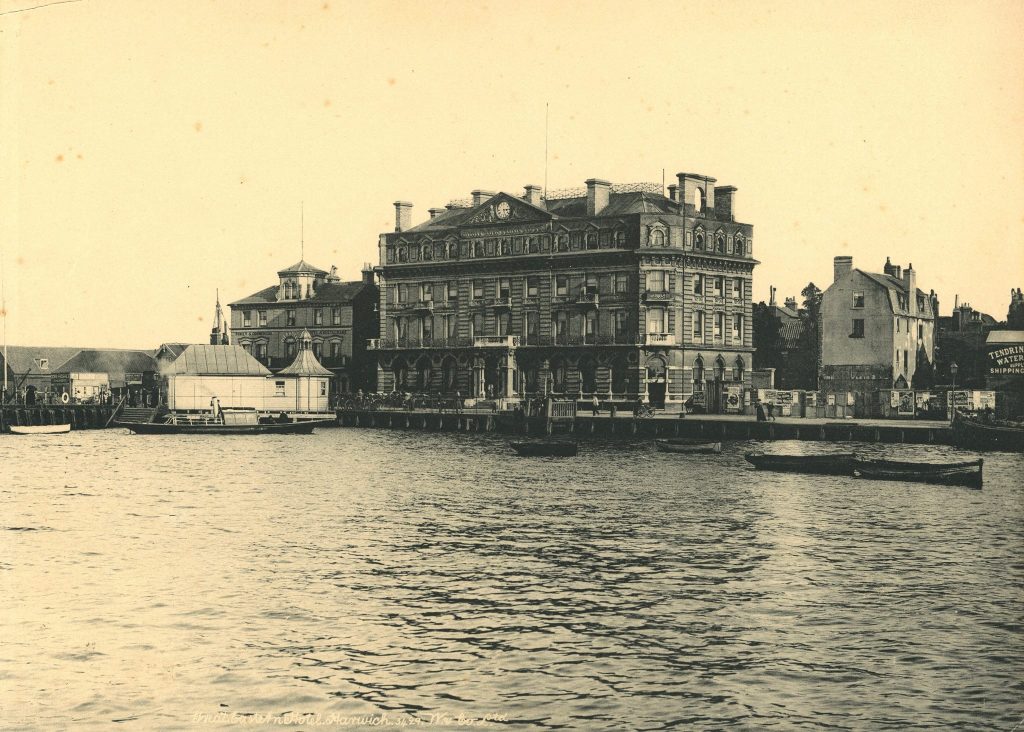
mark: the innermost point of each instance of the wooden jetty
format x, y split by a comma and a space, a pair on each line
626, 426
79, 416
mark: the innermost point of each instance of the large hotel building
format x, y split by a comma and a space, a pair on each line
618, 291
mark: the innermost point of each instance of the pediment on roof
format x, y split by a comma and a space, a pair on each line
506, 209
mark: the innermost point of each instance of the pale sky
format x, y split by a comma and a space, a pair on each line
153, 152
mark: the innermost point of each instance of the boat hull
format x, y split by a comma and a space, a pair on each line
833, 464
689, 448
967, 473
40, 429
271, 428
545, 449
969, 433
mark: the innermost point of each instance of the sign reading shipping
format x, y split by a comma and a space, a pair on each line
1006, 360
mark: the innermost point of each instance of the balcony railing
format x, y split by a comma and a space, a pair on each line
657, 295
659, 339
500, 302
415, 305
492, 341
384, 344
588, 298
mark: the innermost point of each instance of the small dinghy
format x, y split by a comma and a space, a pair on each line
967, 473
546, 448
40, 429
837, 463
689, 447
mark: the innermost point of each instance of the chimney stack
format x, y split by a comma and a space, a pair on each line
910, 282
481, 196
771, 295
597, 195
691, 182
725, 199
403, 215
791, 303
841, 266
534, 195
435, 212
367, 273
893, 270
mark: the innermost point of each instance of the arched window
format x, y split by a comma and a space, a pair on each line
719, 369
246, 346
453, 250
558, 375
698, 200
403, 254
449, 372
738, 245
588, 374
620, 376
698, 239
423, 373
698, 374
318, 349
720, 242
563, 242
620, 238
657, 238
335, 349
534, 245
737, 369
478, 248
591, 239
425, 252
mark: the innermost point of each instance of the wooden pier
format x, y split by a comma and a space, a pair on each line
79, 416
650, 427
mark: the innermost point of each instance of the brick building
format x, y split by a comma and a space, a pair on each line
340, 317
874, 328
618, 291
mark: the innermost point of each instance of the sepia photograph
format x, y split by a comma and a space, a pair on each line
532, 366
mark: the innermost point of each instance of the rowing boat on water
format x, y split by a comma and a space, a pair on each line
972, 433
545, 448
967, 473
689, 447
40, 429
837, 463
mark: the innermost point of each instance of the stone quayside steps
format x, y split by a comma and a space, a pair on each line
79, 416
626, 426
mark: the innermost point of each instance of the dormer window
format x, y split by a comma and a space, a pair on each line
698, 239
720, 242
738, 245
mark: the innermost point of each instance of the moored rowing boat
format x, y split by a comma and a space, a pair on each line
688, 447
966, 473
838, 463
40, 429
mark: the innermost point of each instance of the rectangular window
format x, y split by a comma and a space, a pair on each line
591, 285
531, 327
858, 299
698, 326
477, 325
656, 321
532, 286
263, 317
698, 284
453, 290
920, 331
504, 323
427, 292
719, 326
318, 317
323, 388
620, 323
279, 388
621, 283
905, 360
478, 289
590, 327
403, 293
656, 280
261, 351
716, 286
336, 316
897, 325
335, 349
858, 328
451, 326
247, 318
561, 285
737, 288
505, 288
737, 328
291, 317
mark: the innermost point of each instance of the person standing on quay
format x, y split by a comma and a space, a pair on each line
596, 406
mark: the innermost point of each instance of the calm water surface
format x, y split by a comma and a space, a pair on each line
147, 581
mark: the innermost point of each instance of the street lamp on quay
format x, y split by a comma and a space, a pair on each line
953, 368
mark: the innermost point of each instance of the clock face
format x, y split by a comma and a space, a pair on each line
503, 210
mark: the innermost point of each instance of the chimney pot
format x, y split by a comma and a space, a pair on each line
840, 266
724, 201
403, 215
597, 195
481, 196
435, 212
534, 195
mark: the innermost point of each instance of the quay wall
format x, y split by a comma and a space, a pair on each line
79, 416
628, 427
